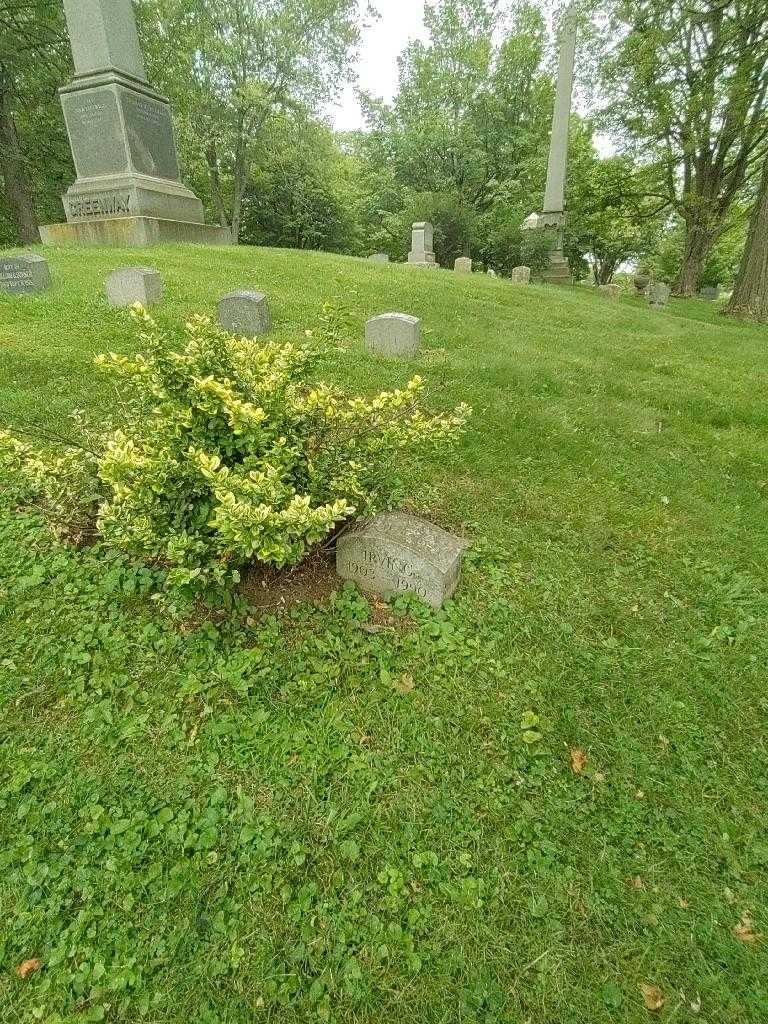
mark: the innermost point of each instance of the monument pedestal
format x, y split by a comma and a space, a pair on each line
558, 271
132, 231
128, 189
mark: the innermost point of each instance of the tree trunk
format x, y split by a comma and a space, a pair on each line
18, 184
212, 159
698, 243
750, 293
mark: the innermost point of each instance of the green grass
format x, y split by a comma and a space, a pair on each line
226, 824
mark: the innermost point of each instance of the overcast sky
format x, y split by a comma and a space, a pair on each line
382, 44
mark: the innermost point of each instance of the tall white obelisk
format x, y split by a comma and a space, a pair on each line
553, 213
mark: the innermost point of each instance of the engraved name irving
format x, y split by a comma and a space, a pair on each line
402, 573
101, 206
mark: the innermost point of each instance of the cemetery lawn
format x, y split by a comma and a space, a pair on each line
302, 818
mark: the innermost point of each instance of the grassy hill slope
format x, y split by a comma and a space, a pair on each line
229, 822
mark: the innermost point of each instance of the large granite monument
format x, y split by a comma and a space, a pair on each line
128, 189
552, 217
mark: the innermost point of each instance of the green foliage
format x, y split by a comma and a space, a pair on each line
229, 454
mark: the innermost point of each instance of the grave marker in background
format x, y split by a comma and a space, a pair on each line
24, 274
658, 294
521, 275
244, 313
463, 265
610, 291
393, 335
422, 252
127, 285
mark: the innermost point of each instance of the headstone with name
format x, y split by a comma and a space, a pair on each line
128, 189
521, 275
711, 293
28, 273
244, 313
128, 285
610, 291
379, 257
422, 252
393, 335
658, 293
397, 553
463, 265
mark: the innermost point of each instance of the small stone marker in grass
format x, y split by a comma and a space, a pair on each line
244, 313
127, 285
379, 257
397, 553
23, 274
393, 335
711, 293
658, 294
521, 275
610, 291
463, 265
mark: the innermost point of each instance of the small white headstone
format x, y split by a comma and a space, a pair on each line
379, 257
491, 272
463, 265
393, 335
521, 275
27, 273
397, 553
127, 285
244, 313
610, 291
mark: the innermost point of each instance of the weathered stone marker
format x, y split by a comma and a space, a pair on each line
28, 273
379, 257
128, 189
127, 285
393, 335
422, 252
610, 291
711, 293
397, 553
463, 265
521, 275
244, 313
658, 294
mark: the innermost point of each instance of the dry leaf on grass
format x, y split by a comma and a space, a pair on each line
28, 967
578, 761
745, 930
404, 684
653, 997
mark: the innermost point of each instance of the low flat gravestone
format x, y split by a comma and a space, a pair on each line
127, 285
710, 293
521, 275
658, 294
24, 274
379, 257
463, 265
244, 313
393, 335
396, 553
610, 291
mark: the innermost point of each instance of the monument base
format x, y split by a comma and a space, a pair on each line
133, 231
417, 263
558, 272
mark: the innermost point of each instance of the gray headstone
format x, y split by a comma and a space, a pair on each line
379, 257
127, 285
27, 273
521, 275
710, 293
422, 252
397, 553
393, 335
463, 265
244, 313
610, 291
658, 294
491, 272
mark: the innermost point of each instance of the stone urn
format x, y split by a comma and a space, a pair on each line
641, 282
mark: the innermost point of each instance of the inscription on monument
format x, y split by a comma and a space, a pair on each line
106, 204
150, 135
24, 274
93, 123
